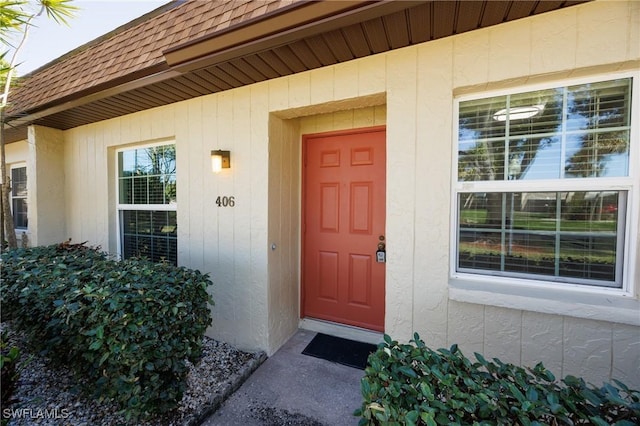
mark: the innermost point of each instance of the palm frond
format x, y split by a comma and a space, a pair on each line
12, 17
59, 10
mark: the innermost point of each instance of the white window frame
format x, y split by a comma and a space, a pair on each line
147, 207
26, 197
587, 301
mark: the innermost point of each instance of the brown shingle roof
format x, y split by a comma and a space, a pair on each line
134, 48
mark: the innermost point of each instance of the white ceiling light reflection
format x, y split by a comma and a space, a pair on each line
518, 113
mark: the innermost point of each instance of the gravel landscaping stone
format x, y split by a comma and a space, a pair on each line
48, 395
270, 416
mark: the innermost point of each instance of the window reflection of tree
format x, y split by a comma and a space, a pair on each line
506, 149
148, 177
605, 118
151, 178
595, 130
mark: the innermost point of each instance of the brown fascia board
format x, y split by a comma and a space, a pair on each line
299, 20
119, 85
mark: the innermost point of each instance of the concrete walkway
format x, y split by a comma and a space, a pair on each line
290, 388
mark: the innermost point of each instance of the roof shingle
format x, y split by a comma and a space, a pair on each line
133, 48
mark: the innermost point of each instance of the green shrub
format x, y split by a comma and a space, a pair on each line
9, 357
410, 384
125, 328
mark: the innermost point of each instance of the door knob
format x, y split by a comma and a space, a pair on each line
381, 255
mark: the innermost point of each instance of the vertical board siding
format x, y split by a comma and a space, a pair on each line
626, 353
465, 327
542, 340
256, 290
432, 215
283, 230
195, 176
503, 334
587, 348
102, 187
402, 122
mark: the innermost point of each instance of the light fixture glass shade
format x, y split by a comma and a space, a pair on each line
216, 162
220, 160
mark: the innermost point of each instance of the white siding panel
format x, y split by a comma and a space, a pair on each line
503, 334
471, 59
553, 41
401, 169
16, 152
102, 187
633, 50
242, 217
509, 50
433, 125
587, 350
131, 128
146, 129
299, 90
90, 182
162, 121
198, 156
346, 80
626, 355
542, 341
373, 74
183, 189
227, 300
466, 327
258, 209
284, 219
45, 180
601, 47
278, 94
322, 85
364, 117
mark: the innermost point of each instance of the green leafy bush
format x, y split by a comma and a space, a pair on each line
410, 384
125, 327
9, 357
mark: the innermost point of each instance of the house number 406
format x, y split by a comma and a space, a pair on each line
226, 201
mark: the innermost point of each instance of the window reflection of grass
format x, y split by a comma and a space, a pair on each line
541, 254
541, 222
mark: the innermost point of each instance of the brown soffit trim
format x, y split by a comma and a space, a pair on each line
286, 17
277, 29
133, 81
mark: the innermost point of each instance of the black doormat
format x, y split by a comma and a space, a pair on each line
343, 351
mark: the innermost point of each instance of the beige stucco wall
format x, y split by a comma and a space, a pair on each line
411, 90
46, 186
17, 152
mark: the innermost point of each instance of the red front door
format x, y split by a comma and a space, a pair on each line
343, 225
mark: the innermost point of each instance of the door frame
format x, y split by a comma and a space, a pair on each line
303, 185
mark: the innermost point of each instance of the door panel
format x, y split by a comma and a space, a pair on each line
344, 218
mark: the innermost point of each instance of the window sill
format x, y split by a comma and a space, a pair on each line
592, 303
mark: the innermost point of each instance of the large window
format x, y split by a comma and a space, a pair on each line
543, 179
19, 197
147, 203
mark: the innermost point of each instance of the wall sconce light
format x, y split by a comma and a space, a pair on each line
220, 160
